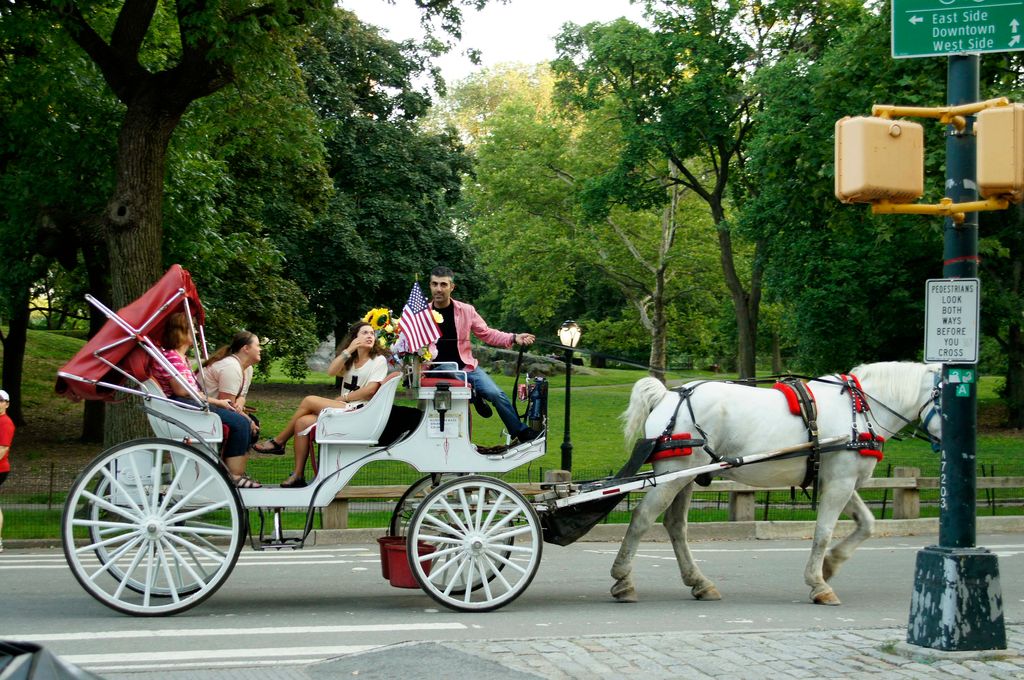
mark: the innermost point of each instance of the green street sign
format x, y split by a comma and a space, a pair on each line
961, 375
963, 390
931, 28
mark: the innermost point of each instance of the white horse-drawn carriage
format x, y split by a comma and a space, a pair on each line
154, 526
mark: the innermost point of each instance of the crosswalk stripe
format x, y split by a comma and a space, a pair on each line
221, 632
213, 654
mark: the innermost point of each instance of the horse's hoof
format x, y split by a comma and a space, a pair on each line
826, 597
708, 593
623, 591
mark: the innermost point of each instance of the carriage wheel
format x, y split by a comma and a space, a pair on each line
152, 527
478, 530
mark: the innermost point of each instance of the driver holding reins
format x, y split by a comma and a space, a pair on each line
458, 320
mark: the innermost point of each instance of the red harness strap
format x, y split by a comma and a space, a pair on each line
860, 404
792, 398
664, 449
870, 444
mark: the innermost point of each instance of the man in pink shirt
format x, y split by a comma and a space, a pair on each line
458, 320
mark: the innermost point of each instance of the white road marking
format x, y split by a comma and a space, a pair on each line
802, 549
222, 632
214, 654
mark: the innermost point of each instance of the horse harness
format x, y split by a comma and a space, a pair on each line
801, 402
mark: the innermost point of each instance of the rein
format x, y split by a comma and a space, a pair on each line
920, 429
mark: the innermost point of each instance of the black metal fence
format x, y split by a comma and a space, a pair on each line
32, 502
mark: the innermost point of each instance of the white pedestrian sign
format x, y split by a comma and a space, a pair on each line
951, 320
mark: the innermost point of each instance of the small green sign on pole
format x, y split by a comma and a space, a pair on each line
930, 28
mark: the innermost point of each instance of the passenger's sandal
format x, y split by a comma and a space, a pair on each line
246, 482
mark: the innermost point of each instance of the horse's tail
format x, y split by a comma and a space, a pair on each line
647, 393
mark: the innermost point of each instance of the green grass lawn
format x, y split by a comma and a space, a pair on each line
49, 442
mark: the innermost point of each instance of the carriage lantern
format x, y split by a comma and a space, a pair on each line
442, 401
569, 335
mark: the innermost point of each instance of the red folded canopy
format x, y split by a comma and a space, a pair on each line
119, 346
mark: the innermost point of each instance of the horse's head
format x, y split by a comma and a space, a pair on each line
910, 391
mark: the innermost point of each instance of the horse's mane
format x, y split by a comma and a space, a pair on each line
898, 381
646, 394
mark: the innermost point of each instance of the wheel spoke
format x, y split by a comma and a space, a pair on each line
110, 507
205, 553
453, 514
179, 475
508, 563
183, 563
447, 528
109, 541
138, 484
505, 537
115, 556
197, 512
101, 524
171, 581
505, 520
200, 531
128, 572
191, 494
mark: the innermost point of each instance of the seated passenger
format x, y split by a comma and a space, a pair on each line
227, 374
363, 364
177, 340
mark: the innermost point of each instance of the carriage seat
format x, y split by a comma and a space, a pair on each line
206, 423
362, 425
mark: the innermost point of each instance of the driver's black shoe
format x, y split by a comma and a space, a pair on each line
482, 407
526, 435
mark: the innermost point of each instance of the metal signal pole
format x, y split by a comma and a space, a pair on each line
957, 603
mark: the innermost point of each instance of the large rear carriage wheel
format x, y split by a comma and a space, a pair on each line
475, 530
152, 527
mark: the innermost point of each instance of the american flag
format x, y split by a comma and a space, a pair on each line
418, 325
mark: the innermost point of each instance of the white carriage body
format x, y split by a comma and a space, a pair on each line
348, 440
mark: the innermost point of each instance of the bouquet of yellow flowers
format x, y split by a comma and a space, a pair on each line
389, 332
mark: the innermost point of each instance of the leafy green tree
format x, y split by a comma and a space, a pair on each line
395, 182
684, 92
851, 282
531, 229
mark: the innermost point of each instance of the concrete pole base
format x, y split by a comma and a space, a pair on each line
957, 603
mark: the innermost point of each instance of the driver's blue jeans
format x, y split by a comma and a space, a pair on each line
485, 387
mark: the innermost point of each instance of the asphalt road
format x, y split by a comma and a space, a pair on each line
281, 609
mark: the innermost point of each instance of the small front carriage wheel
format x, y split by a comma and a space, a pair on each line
475, 530
152, 527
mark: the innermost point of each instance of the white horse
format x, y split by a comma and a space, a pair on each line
739, 420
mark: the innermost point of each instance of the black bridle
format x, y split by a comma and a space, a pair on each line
920, 425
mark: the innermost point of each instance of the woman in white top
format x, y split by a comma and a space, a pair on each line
363, 365
227, 374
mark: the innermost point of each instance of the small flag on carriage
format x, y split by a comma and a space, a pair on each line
418, 325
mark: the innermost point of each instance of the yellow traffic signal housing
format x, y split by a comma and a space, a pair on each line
879, 159
1001, 152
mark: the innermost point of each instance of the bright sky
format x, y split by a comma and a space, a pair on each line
520, 31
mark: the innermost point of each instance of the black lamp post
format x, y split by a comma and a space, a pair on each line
569, 335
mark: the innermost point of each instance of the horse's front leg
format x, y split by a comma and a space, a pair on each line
859, 512
675, 524
653, 504
834, 497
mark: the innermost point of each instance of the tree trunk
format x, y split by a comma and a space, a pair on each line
659, 340
96, 266
746, 325
1015, 377
776, 354
14, 354
133, 226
